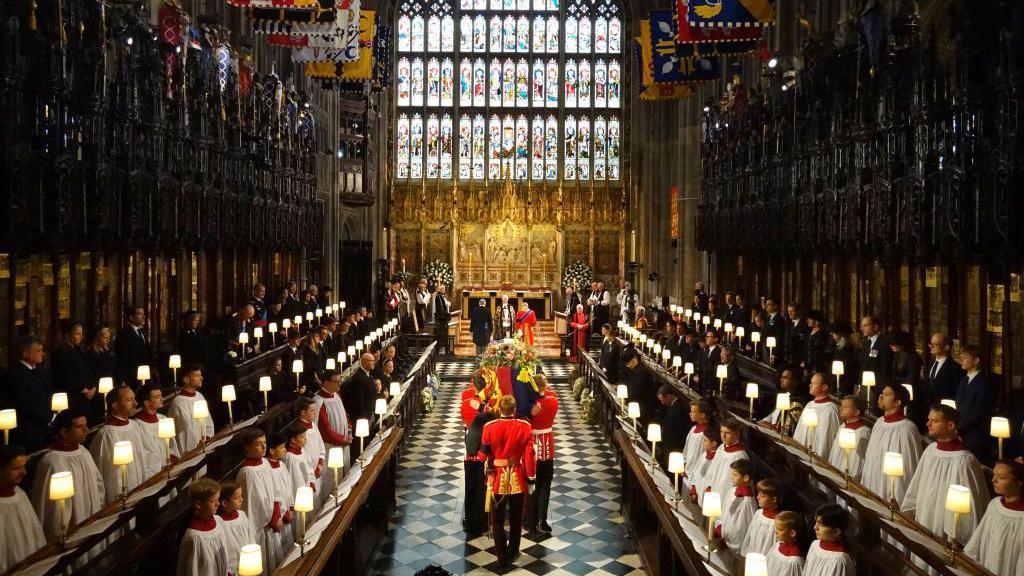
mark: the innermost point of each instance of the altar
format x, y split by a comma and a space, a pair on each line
539, 300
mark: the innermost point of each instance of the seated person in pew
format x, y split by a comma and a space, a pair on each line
237, 528
997, 543
820, 438
718, 477
760, 537
828, 555
893, 432
850, 411
738, 508
710, 441
204, 547
944, 463
785, 558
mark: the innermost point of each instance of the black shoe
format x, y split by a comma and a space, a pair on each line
544, 527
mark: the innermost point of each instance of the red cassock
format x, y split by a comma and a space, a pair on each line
507, 440
543, 446
469, 413
580, 334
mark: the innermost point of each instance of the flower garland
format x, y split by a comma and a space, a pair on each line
438, 272
511, 352
577, 275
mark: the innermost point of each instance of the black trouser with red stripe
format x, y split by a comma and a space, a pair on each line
474, 517
541, 493
506, 545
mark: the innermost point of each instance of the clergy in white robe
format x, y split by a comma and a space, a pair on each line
893, 432
237, 529
828, 555
785, 558
718, 476
154, 447
760, 537
20, 532
850, 411
119, 428
944, 463
181, 410
314, 450
332, 421
67, 454
819, 438
203, 550
998, 541
265, 511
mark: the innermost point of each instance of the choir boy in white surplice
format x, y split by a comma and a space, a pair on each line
119, 427
693, 448
237, 528
154, 447
284, 487
760, 537
204, 547
181, 410
314, 450
718, 476
295, 460
820, 438
261, 505
332, 421
785, 558
998, 541
828, 555
738, 508
850, 411
67, 454
20, 532
944, 463
893, 432
710, 442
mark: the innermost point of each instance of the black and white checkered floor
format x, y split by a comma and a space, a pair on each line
589, 536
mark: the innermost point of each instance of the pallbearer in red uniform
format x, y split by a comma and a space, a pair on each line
505, 441
474, 517
540, 458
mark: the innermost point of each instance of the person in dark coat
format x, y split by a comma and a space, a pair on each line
675, 423
943, 374
28, 391
974, 402
710, 358
192, 343
442, 315
72, 371
844, 350
906, 369
875, 354
610, 353
818, 345
359, 393
481, 325
797, 332
132, 348
640, 385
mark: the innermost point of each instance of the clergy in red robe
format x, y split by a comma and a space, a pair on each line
580, 334
525, 321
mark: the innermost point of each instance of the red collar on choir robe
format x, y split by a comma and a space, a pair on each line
63, 447
954, 445
252, 462
769, 513
832, 546
787, 549
202, 524
822, 400
733, 448
233, 515
295, 451
326, 394
1017, 506
854, 424
890, 418
308, 425
187, 393
116, 421
709, 454
147, 417
700, 428
743, 491
275, 464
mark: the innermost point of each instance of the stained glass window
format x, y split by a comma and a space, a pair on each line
533, 87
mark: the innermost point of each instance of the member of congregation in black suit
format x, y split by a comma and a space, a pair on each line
943, 374
675, 423
442, 315
28, 391
192, 342
875, 354
730, 387
610, 353
819, 345
72, 371
676, 342
296, 350
132, 349
974, 402
332, 342
741, 313
797, 331
640, 386
906, 369
710, 358
481, 325
359, 393
775, 326
844, 350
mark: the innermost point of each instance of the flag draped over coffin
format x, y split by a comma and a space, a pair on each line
519, 383
730, 13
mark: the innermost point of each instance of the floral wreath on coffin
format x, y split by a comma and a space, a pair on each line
513, 354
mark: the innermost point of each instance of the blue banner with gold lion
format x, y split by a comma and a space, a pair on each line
730, 13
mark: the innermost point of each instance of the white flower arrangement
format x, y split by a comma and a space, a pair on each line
438, 272
578, 275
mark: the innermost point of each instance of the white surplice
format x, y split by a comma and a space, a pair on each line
89, 490
891, 434
337, 420
102, 449
204, 552
20, 532
315, 452
780, 564
760, 537
187, 427
155, 448
238, 532
693, 449
259, 498
998, 541
821, 562
718, 476
828, 426
286, 495
837, 457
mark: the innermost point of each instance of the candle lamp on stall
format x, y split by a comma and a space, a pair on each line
380, 408
958, 501
770, 343
257, 333
105, 386
286, 324
717, 324
250, 560
395, 389
335, 462
892, 467
688, 370
666, 356
755, 337
783, 404
838, 369
319, 315
330, 364
654, 436
677, 363
59, 402
62, 488
721, 372
200, 412
142, 374
847, 441
342, 358
227, 394
676, 466
755, 565
309, 318
740, 332
810, 421
174, 362
297, 370
696, 319
622, 392
303, 505
165, 431
999, 428
948, 402
752, 393
711, 509
297, 322
362, 431
867, 380
272, 330
266, 385
243, 340
123, 455
633, 412
728, 331
8, 422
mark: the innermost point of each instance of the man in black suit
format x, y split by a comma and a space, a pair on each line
797, 331
675, 423
292, 352
28, 391
731, 385
676, 343
610, 352
640, 385
775, 324
442, 316
875, 354
729, 313
741, 314
259, 306
710, 358
480, 326
974, 402
943, 374
359, 393
331, 343
132, 347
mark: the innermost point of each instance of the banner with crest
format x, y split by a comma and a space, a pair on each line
730, 13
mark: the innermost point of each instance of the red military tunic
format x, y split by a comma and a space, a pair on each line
469, 413
543, 446
507, 440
